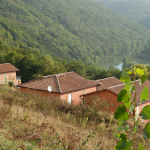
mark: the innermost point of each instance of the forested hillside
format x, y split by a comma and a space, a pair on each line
136, 10
69, 29
33, 64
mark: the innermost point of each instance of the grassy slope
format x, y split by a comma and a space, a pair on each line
26, 117
21, 125
66, 29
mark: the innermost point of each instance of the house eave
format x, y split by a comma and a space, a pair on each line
38, 89
79, 89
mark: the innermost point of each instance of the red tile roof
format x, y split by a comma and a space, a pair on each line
116, 89
7, 67
139, 89
61, 83
109, 82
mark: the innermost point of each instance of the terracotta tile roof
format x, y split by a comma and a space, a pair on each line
109, 82
139, 89
61, 83
7, 67
117, 88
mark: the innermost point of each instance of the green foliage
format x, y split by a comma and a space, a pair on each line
123, 96
121, 113
30, 146
131, 103
35, 76
144, 94
89, 31
10, 83
140, 147
123, 126
33, 64
123, 143
145, 114
146, 132
143, 79
135, 126
125, 77
140, 71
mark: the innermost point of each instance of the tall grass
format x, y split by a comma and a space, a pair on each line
53, 105
30, 121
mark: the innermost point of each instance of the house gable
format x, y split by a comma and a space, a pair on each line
61, 83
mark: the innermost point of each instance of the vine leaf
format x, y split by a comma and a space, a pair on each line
135, 126
128, 104
123, 143
146, 132
121, 113
123, 96
143, 79
145, 114
144, 94
140, 147
140, 71
130, 72
129, 87
123, 126
125, 77
132, 107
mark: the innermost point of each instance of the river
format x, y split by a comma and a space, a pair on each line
117, 62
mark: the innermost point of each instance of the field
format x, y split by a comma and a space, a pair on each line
28, 122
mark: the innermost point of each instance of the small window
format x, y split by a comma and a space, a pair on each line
84, 91
5, 78
70, 98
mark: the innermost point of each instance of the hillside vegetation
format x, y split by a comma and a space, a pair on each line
82, 29
29, 121
136, 10
33, 64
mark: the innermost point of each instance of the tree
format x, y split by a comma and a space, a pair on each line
129, 107
77, 66
45, 64
13, 58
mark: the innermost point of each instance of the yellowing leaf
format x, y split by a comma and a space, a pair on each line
140, 71
125, 77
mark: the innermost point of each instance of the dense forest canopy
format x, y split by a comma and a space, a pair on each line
33, 64
69, 29
136, 10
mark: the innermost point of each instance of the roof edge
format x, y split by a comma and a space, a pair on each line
143, 102
80, 88
98, 91
38, 89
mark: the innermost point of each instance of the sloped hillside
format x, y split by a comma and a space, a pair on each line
69, 29
28, 121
